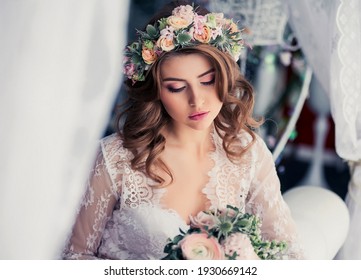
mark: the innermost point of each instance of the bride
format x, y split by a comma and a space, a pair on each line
186, 143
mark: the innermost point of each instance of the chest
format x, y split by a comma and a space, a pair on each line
185, 193
196, 187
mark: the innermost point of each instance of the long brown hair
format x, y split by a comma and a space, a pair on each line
143, 116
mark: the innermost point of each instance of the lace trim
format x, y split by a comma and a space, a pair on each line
134, 185
227, 182
223, 187
210, 188
114, 154
348, 23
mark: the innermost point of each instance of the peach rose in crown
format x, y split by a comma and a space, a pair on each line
178, 22
165, 43
203, 35
232, 26
199, 246
149, 56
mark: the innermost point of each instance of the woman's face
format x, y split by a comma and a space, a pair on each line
188, 91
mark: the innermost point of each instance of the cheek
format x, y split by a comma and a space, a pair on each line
166, 101
216, 101
171, 104
218, 107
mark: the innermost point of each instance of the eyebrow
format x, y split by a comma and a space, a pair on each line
181, 80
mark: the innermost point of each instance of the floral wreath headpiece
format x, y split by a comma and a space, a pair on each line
184, 28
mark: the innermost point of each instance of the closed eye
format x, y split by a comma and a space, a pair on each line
175, 90
208, 83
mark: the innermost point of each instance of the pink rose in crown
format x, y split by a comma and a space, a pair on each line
129, 70
199, 246
186, 12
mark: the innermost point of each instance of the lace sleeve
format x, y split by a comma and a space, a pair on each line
95, 210
266, 201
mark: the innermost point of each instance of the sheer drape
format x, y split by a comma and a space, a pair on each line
346, 91
329, 33
59, 75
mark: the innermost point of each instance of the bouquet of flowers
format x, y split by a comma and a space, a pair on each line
223, 234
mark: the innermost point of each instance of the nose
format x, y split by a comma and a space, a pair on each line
196, 98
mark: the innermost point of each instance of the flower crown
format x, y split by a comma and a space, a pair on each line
184, 28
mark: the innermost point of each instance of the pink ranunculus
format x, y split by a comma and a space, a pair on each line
203, 219
198, 246
240, 244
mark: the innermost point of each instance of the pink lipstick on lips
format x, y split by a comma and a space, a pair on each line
198, 116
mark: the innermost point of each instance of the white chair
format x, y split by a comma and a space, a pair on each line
322, 218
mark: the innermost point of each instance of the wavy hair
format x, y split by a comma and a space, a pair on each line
143, 115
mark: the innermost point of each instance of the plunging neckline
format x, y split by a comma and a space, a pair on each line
207, 186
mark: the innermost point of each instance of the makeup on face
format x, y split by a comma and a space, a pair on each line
177, 85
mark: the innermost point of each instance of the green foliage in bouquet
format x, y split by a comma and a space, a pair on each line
212, 232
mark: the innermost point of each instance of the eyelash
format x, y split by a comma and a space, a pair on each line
177, 90
211, 82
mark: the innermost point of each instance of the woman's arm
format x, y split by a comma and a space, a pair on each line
265, 200
95, 210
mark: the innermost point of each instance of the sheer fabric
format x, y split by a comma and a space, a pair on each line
346, 100
120, 203
59, 77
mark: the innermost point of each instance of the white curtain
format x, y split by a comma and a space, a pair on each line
329, 32
60, 72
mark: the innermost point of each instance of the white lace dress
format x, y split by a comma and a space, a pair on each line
122, 217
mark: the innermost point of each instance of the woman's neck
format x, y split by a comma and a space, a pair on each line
190, 140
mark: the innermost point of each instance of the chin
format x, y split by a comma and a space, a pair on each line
201, 126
